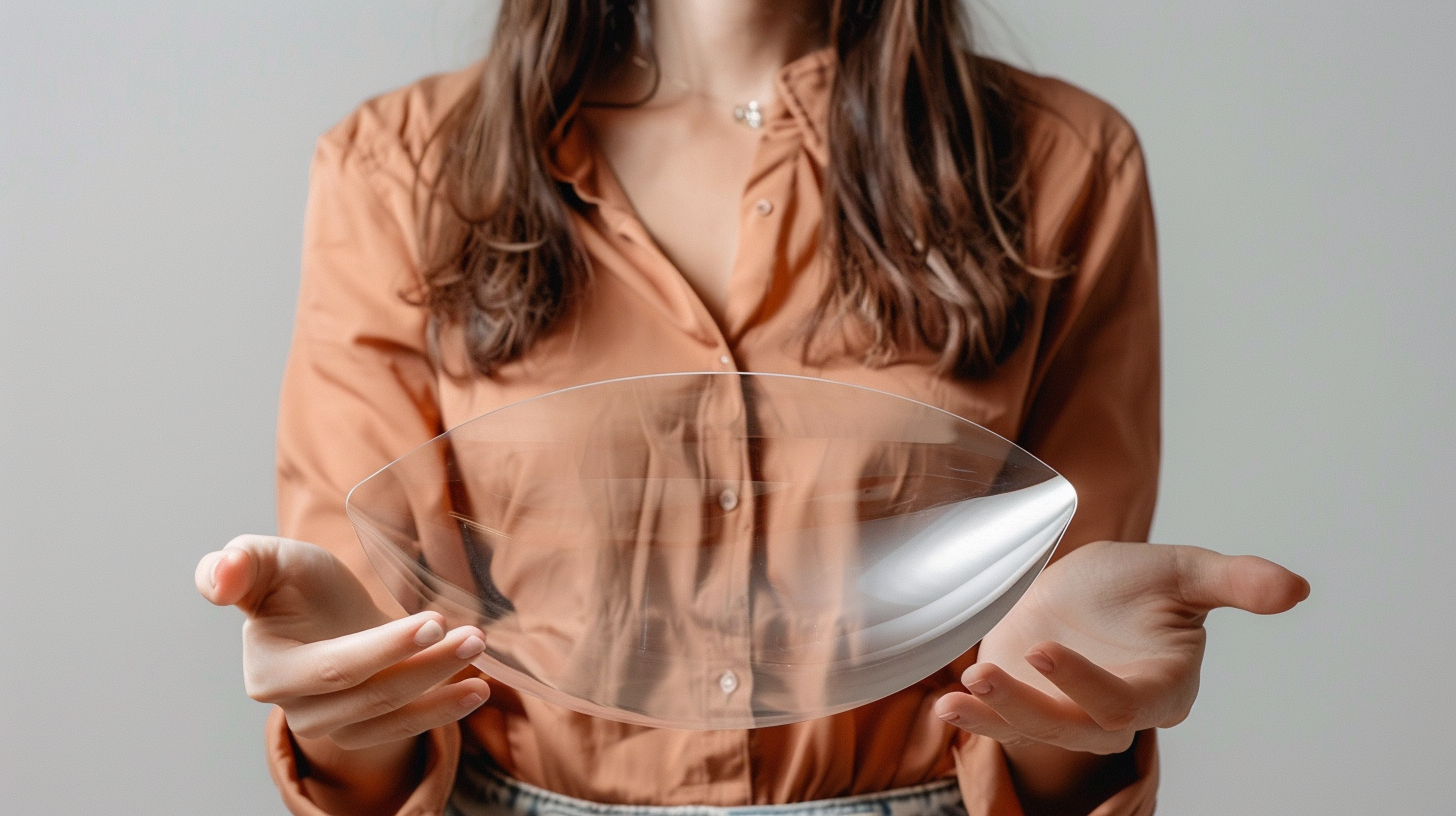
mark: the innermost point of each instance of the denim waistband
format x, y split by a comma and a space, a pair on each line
485, 791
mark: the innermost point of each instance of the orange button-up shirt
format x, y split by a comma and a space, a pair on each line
1080, 392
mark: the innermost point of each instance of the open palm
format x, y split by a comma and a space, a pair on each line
1109, 641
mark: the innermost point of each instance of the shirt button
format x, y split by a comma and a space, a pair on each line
728, 682
727, 500
725, 360
764, 206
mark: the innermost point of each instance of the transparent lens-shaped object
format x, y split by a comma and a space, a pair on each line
714, 550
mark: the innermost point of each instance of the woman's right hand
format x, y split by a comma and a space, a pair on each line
356, 686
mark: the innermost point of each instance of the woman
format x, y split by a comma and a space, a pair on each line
830, 189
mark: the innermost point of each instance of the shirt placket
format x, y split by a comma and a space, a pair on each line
725, 673
729, 468
726, 670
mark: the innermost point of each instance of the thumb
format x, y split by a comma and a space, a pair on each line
1209, 580
234, 574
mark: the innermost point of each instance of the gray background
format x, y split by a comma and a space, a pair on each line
152, 178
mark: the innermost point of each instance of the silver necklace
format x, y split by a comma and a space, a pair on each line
749, 114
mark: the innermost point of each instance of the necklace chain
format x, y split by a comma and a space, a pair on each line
749, 114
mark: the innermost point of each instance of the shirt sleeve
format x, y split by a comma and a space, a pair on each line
1095, 416
358, 391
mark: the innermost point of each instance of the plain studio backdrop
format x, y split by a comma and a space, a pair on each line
153, 161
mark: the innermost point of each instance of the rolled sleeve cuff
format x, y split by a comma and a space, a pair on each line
428, 799
986, 787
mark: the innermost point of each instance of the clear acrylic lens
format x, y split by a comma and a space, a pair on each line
714, 550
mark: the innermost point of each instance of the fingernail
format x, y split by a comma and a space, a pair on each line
470, 648
429, 634
471, 701
1040, 661
980, 687
950, 716
212, 573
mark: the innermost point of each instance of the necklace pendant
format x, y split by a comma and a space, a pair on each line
749, 115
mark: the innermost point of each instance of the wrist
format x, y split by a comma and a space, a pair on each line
360, 782
1052, 781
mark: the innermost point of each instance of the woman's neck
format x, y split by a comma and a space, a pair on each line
732, 50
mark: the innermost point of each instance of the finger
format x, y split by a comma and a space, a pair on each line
1045, 719
225, 577
389, 690
1210, 580
967, 713
282, 670
239, 574
435, 708
1114, 703
202, 576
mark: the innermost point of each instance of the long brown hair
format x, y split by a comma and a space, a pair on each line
923, 209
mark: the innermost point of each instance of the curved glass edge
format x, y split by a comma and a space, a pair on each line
968, 628
721, 374
989, 615
961, 631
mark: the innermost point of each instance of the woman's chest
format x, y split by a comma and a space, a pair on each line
633, 323
643, 313
682, 171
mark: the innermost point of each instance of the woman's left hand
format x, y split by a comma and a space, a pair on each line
1107, 642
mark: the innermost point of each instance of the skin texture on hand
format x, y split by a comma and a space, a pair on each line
356, 687
1109, 641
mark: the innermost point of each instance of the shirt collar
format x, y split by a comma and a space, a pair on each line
804, 86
